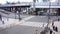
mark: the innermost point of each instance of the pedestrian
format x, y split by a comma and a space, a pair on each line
58, 19
54, 28
52, 23
51, 31
0, 17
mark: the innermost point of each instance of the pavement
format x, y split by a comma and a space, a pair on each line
23, 26
57, 23
12, 15
28, 25
8, 22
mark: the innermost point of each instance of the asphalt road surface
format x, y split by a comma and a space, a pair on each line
18, 29
12, 15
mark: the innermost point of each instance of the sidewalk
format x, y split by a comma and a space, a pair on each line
56, 23
12, 22
7, 23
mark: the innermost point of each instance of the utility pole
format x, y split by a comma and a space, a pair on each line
58, 11
49, 14
58, 2
34, 5
19, 9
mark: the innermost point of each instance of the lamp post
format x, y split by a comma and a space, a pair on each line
34, 5
49, 14
58, 11
19, 14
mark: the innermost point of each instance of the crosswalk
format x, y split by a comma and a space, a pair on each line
26, 23
34, 24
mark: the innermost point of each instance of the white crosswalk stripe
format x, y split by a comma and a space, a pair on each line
34, 24
29, 17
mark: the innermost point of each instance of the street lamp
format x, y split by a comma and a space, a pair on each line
58, 11
34, 5
49, 14
19, 14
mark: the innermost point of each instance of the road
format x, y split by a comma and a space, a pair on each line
21, 30
29, 26
12, 15
25, 27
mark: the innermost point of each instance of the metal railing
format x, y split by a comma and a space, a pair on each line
47, 4
36, 4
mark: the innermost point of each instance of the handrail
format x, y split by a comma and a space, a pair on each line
31, 3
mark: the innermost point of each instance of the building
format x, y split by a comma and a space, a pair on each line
14, 7
42, 7
47, 6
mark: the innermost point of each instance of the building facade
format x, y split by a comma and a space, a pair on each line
41, 7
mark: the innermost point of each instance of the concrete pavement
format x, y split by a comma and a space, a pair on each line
7, 23
26, 26
57, 23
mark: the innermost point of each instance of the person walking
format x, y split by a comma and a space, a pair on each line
56, 30
58, 19
0, 17
51, 31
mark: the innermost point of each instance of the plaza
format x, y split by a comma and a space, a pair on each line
29, 17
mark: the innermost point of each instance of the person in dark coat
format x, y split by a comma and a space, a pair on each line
58, 19
56, 29
0, 17
51, 31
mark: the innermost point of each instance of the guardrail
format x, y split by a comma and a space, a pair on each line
47, 4
36, 4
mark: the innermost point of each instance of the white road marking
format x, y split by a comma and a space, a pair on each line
29, 17
23, 21
34, 24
